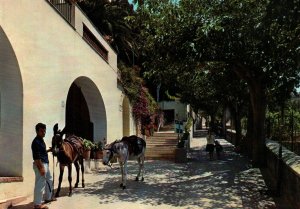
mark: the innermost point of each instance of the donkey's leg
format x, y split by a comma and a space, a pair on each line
140, 167
82, 171
61, 174
122, 173
70, 179
125, 174
77, 173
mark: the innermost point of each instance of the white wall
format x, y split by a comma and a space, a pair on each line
52, 55
179, 108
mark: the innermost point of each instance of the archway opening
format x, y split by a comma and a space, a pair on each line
85, 110
11, 111
77, 114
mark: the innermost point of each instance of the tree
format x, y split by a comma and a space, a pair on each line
213, 89
112, 20
257, 39
143, 104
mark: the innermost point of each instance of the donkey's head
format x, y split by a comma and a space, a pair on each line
108, 153
57, 139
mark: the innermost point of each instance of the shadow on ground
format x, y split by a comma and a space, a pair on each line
25, 206
227, 183
200, 183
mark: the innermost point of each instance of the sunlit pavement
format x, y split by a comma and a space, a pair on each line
201, 183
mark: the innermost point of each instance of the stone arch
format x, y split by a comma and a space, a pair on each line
126, 116
11, 110
85, 110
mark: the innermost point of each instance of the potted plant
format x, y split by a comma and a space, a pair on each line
183, 143
98, 148
87, 146
180, 151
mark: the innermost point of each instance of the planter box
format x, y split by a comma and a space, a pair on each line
98, 155
87, 154
180, 155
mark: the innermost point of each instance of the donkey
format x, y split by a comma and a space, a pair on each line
67, 151
131, 146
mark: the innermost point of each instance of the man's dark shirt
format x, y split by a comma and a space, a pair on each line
39, 151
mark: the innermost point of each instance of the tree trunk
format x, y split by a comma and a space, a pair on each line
238, 126
247, 146
201, 123
259, 104
224, 122
212, 124
236, 117
257, 90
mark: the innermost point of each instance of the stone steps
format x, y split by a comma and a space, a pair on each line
161, 146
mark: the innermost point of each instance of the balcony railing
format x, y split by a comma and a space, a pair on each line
65, 8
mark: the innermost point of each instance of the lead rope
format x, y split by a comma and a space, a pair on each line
53, 177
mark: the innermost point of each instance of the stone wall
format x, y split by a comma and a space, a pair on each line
289, 168
290, 172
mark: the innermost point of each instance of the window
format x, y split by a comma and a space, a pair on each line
94, 43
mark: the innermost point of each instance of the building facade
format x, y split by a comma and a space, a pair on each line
54, 68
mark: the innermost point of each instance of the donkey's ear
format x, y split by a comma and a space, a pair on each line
63, 131
55, 128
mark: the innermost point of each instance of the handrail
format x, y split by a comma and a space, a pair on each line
64, 8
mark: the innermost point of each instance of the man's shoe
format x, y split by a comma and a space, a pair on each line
51, 200
40, 207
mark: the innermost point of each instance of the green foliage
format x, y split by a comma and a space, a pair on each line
143, 104
281, 127
258, 40
131, 81
88, 145
188, 125
98, 146
112, 18
244, 122
186, 134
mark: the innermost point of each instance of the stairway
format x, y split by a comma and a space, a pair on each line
161, 146
200, 133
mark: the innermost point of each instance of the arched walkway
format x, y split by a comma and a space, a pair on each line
85, 110
11, 110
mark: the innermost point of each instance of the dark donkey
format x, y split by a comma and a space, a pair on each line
67, 151
131, 146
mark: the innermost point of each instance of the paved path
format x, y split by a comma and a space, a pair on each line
201, 183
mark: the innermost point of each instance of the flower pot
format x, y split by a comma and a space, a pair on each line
180, 155
98, 154
87, 154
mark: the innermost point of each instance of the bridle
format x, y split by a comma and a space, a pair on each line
110, 156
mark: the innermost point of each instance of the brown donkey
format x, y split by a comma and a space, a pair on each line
67, 151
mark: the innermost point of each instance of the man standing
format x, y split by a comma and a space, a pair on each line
43, 176
210, 146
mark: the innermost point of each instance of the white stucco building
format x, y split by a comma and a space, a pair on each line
174, 110
54, 68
